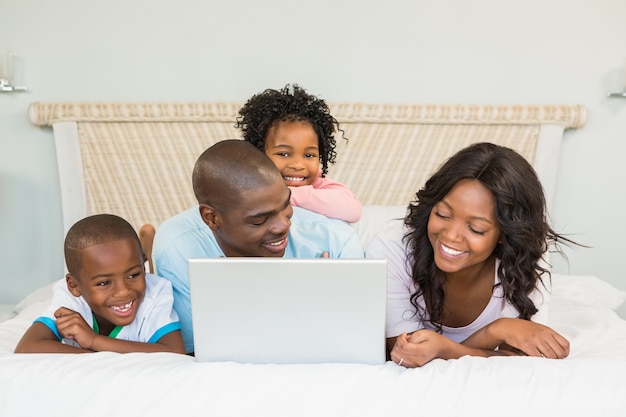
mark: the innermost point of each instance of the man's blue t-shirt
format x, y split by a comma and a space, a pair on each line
186, 236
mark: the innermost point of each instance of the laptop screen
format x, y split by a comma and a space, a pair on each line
275, 310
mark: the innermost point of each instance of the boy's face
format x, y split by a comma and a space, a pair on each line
294, 149
111, 280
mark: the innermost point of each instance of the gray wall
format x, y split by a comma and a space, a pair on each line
410, 51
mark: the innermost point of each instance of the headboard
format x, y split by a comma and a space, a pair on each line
135, 159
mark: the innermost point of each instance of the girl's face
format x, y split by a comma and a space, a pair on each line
462, 228
293, 147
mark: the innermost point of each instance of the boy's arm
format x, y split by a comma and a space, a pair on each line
170, 342
40, 339
70, 324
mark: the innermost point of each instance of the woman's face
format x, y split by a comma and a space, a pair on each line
462, 227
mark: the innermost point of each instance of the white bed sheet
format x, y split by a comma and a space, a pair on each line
591, 381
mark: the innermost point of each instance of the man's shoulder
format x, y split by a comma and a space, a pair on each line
185, 217
310, 219
178, 225
156, 285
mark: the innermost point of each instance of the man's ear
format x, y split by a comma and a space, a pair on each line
72, 285
210, 216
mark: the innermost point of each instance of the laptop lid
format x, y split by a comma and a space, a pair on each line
275, 310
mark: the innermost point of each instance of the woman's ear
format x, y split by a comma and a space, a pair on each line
72, 285
210, 216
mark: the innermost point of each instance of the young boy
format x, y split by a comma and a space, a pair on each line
107, 302
296, 131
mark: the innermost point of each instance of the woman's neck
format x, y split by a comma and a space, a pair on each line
471, 276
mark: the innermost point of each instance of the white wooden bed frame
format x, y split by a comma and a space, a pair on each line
135, 160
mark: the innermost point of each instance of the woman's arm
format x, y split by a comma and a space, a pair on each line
511, 336
422, 346
532, 339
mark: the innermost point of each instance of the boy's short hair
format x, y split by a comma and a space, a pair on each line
94, 230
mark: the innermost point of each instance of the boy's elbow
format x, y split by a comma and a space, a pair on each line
25, 348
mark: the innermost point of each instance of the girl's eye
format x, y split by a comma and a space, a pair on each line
284, 154
311, 155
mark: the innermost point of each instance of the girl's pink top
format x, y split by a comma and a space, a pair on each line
328, 197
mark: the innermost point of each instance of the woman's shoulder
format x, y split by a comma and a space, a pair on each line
391, 239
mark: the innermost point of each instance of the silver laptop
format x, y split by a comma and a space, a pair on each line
275, 310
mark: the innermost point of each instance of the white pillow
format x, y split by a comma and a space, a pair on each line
377, 218
587, 289
40, 295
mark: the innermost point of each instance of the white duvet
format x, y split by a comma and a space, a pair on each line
591, 381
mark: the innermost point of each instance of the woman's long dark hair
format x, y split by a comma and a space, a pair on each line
520, 212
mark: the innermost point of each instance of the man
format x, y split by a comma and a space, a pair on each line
243, 210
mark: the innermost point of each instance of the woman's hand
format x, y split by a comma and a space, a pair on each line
533, 339
419, 348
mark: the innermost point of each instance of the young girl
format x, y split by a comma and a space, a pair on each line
464, 269
296, 131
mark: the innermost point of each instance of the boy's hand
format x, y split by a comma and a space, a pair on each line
71, 325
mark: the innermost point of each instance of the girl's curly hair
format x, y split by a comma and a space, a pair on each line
290, 104
520, 212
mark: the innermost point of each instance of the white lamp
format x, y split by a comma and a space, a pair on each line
6, 73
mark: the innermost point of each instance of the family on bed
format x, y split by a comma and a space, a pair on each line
465, 267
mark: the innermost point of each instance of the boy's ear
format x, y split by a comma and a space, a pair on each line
210, 216
72, 285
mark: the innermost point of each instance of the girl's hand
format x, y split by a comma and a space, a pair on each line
71, 325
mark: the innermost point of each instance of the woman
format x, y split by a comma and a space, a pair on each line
464, 270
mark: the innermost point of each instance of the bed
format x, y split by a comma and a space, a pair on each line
135, 159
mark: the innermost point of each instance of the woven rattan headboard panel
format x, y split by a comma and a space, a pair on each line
135, 159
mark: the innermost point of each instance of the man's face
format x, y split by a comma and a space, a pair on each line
258, 225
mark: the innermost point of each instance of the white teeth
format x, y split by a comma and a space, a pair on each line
450, 251
123, 308
280, 242
295, 179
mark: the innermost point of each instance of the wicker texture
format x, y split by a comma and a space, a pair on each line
138, 157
